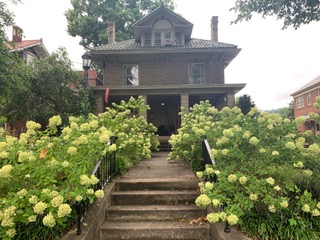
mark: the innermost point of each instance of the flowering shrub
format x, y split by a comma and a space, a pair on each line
268, 181
43, 174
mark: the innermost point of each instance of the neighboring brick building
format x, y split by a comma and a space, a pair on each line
27, 49
304, 100
94, 79
166, 66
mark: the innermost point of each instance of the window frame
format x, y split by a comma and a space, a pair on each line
126, 75
192, 75
300, 102
308, 98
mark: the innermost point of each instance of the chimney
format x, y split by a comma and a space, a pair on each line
214, 28
111, 32
16, 34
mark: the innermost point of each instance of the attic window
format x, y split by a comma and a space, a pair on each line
147, 39
162, 24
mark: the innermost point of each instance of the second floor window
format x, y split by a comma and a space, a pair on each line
147, 39
196, 73
308, 95
299, 102
131, 75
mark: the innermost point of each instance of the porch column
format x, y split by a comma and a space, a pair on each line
230, 100
184, 101
145, 97
99, 104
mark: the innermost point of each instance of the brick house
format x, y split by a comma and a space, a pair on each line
27, 49
304, 100
168, 68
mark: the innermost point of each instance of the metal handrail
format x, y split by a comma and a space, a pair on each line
207, 157
104, 170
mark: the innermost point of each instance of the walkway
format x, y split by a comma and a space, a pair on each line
155, 200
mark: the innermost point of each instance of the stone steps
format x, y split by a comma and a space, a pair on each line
151, 197
153, 212
154, 209
154, 230
156, 184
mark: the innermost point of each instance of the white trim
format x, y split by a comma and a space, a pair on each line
306, 91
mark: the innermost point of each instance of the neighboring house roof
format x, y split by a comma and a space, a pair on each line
315, 82
36, 45
135, 47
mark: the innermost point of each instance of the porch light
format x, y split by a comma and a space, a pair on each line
86, 64
86, 60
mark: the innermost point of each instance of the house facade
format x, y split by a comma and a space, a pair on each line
27, 49
167, 67
304, 100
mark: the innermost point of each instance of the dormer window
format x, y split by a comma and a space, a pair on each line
177, 38
162, 34
157, 39
147, 39
167, 38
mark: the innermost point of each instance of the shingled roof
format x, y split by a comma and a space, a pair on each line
315, 82
25, 44
133, 46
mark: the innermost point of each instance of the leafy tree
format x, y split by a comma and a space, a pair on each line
13, 72
285, 112
52, 89
245, 103
293, 13
89, 19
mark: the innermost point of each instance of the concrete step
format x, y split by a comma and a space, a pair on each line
154, 212
155, 230
156, 184
160, 197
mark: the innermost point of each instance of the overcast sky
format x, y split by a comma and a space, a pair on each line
272, 62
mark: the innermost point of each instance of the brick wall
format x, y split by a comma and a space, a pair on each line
162, 71
306, 109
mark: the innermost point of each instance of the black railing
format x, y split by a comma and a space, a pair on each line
207, 158
104, 170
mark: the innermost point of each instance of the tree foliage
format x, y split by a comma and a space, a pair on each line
245, 103
286, 112
50, 89
13, 72
89, 19
293, 13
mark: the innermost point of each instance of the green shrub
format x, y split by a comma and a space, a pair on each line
43, 174
264, 170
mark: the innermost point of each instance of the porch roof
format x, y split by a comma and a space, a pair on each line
191, 89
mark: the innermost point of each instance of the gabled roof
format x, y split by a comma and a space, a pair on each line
162, 10
315, 82
162, 13
134, 47
36, 45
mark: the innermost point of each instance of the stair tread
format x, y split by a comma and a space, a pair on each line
154, 207
156, 192
158, 180
173, 224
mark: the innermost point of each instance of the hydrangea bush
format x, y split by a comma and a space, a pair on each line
44, 173
268, 180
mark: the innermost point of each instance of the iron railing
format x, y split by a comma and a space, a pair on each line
207, 158
104, 170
